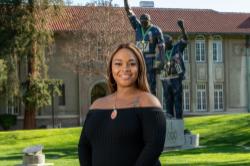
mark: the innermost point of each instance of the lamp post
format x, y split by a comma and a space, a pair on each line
52, 108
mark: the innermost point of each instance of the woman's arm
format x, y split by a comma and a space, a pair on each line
84, 148
153, 124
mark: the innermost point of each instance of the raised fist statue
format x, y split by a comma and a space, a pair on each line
180, 23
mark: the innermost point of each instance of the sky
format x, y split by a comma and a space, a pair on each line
218, 5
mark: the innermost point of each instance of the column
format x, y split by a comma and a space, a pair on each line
210, 89
248, 70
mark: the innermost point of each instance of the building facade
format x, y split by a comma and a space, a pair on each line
216, 60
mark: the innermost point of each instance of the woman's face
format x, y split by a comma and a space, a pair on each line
125, 68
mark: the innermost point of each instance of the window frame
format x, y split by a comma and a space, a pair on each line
13, 107
201, 95
200, 49
185, 55
62, 97
186, 97
218, 97
217, 49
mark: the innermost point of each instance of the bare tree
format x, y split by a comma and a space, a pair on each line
68, 2
102, 30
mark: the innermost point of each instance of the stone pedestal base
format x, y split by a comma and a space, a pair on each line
174, 133
191, 140
175, 137
34, 159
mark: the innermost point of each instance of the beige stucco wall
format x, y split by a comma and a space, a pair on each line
236, 76
78, 85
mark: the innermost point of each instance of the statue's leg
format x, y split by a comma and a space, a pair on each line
178, 98
168, 97
151, 74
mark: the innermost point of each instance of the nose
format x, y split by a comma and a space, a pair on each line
126, 67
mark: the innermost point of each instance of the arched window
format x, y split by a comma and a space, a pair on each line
200, 49
217, 49
99, 90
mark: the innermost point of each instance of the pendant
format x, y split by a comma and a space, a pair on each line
113, 114
168, 63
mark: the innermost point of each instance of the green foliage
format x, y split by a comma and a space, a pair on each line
24, 37
40, 91
3, 75
7, 121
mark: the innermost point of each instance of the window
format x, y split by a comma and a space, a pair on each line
13, 106
217, 50
218, 97
185, 55
201, 97
186, 98
200, 49
98, 51
61, 99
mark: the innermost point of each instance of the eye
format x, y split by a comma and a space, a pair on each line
133, 63
118, 64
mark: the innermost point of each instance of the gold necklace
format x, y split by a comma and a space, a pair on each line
114, 112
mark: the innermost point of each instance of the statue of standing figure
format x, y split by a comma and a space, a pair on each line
149, 38
173, 73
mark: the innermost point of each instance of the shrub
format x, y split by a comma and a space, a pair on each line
7, 121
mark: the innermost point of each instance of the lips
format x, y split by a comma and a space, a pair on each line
125, 76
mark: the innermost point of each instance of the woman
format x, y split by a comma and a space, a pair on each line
127, 127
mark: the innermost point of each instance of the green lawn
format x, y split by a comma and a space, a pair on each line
226, 141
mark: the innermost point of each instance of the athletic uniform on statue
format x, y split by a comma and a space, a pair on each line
149, 38
173, 73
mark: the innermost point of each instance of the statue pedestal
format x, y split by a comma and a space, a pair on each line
174, 133
175, 137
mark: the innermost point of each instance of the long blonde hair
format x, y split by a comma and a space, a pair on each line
141, 82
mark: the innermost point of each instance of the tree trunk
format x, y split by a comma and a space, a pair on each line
30, 110
29, 118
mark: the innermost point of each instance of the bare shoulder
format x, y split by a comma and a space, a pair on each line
102, 102
149, 100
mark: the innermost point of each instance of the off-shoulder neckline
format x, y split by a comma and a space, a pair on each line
124, 108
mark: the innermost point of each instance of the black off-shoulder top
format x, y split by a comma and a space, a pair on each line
134, 138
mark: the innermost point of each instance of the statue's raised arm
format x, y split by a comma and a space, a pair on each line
128, 8
183, 31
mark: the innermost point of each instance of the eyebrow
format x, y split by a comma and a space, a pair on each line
128, 60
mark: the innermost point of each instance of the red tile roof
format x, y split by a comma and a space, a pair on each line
196, 20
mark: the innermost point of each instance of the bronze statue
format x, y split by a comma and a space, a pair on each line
173, 73
149, 38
